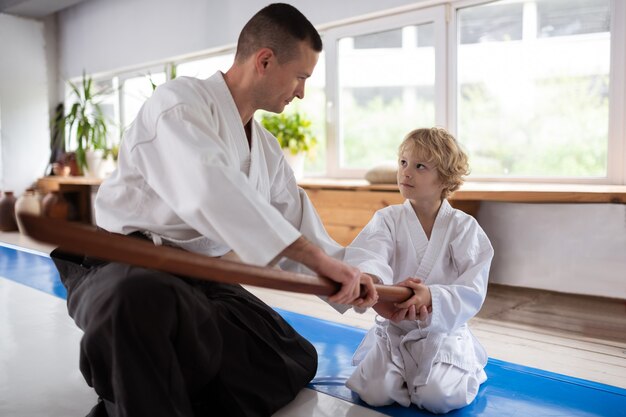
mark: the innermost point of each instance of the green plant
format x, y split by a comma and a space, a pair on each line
85, 119
293, 131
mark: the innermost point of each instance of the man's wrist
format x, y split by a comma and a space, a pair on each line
375, 279
304, 252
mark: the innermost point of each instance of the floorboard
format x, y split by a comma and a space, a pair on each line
574, 335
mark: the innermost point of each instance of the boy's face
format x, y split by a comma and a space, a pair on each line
418, 178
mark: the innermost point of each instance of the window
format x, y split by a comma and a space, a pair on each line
204, 68
532, 88
136, 88
390, 80
567, 18
135, 91
105, 92
109, 104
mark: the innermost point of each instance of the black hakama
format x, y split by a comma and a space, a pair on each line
159, 345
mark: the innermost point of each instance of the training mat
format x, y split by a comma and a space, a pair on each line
511, 390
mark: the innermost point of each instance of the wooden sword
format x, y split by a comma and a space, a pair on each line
82, 239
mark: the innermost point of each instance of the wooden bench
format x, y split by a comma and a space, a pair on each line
77, 190
345, 206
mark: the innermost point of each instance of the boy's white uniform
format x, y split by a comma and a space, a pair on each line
437, 364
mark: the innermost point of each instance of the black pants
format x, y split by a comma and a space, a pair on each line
160, 345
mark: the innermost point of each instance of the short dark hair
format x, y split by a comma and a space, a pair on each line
279, 27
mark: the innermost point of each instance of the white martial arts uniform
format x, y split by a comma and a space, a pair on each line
187, 177
227, 196
437, 364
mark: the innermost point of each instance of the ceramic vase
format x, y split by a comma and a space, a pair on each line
94, 158
296, 162
7, 212
107, 166
54, 205
27, 203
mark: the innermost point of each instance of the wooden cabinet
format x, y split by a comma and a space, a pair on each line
345, 213
78, 191
346, 207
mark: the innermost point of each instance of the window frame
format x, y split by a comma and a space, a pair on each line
444, 17
616, 146
435, 15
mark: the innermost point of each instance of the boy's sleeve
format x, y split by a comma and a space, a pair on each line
372, 249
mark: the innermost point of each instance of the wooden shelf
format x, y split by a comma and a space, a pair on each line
497, 191
345, 206
76, 190
54, 183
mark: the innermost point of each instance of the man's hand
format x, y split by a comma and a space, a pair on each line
348, 276
370, 296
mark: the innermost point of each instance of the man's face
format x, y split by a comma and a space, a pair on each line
285, 81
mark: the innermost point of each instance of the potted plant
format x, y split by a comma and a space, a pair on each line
87, 121
295, 136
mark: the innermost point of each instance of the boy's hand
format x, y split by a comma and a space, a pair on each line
421, 294
415, 308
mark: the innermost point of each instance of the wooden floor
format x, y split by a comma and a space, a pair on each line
583, 337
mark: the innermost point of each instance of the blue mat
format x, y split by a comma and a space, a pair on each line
511, 390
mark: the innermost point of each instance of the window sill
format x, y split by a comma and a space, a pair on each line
495, 191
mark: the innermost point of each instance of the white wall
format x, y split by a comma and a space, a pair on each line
569, 248
573, 248
105, 35
24, 132
56, 85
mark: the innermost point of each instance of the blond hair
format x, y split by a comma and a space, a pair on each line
443, 151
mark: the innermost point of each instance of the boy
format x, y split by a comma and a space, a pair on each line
422, 350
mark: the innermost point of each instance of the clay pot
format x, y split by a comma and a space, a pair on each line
27, 203
61, 170
69, 159
7, 212
55, 206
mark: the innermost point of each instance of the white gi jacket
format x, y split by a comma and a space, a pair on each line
454, 264
187, 176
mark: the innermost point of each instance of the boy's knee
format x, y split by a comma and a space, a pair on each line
379, 388
439, 398
376, 398
434, 398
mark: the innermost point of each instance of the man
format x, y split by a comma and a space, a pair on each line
197, 172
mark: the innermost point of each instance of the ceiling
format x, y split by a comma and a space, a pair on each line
35, 8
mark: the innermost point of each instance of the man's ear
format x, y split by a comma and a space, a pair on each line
264, 59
